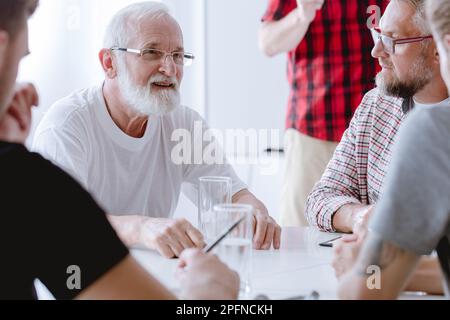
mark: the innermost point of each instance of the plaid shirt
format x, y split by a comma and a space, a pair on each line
356, 172
331, 69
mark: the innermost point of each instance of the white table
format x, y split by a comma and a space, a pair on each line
299, 267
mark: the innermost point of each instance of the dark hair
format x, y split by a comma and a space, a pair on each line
14, 14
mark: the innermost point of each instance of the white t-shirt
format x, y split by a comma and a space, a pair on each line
443, 103
125, 175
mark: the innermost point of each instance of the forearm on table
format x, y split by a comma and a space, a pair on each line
246, 197
344, 218
427, 277
128, 227
354, 286
394, 264
128, 280
283, 35
322, 206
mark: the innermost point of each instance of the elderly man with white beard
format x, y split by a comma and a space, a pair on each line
115, 139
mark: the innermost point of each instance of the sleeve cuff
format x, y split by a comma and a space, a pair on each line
325, 218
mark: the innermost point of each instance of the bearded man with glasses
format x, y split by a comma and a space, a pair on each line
346, 196
116, 139
410, 78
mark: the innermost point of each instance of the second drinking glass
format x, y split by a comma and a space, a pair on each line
212, 191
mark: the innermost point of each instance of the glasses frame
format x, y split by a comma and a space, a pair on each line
187, 57
394, 42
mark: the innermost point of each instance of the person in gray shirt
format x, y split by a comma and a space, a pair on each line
413, 215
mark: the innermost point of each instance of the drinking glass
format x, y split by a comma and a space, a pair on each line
212, 191
236, 249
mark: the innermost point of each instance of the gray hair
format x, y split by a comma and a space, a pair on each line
438, 13
420, 17
126, 20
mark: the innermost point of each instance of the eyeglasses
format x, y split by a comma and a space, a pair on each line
152, 55
389, 43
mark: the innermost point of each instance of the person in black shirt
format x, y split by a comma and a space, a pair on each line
51, 227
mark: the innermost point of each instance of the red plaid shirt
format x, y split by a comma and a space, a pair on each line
331, 69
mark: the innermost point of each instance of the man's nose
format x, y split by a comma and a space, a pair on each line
168, 66
378, 50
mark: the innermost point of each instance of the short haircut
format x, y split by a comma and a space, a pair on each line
126, 22
438, 15
14, 14
420, 16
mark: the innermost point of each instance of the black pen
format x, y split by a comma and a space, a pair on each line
211, 246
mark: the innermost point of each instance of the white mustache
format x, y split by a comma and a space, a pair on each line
160, 78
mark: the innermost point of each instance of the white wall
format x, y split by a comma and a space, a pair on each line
245, 89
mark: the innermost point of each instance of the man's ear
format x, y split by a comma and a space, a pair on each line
4, 41
436, 55
446, 42
108, 63
445, 45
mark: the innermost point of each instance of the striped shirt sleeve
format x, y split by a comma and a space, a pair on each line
339, 184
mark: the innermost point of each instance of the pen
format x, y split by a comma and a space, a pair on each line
211, 246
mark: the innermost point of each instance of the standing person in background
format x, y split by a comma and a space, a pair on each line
329, 71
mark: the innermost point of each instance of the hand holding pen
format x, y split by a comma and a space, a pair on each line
200, 272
